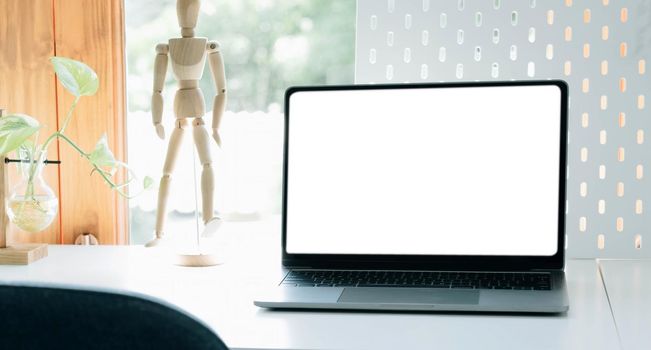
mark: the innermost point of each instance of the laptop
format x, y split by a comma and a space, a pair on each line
424, 197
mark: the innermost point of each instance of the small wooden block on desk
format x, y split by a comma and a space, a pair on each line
22, 254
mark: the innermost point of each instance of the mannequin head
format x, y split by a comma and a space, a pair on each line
187, 12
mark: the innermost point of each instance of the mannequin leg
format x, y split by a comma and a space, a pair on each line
202, 142
163, 191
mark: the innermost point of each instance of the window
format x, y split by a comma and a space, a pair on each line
268, 45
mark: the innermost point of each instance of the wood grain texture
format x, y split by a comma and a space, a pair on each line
22, 254
4, 187
27, 85
93, 31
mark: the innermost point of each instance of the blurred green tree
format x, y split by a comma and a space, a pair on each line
268, 45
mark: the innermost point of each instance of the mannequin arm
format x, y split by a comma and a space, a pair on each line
219, 77
160, 69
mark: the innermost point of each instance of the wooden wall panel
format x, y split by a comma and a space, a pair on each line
92, 31
27, 84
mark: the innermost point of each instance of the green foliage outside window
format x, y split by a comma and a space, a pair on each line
267, 45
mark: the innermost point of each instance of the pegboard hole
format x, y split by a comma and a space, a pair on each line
620, 189
622, 119
638, 242
513, 53
531, 69
408, 21
621, 154
640, 102
477, 53
568, 33
604, 67
567, 68
496, 4
601, 242
460, 36
641, 67
585, 85
586, 50
391, 6
587, 16
461, 5
389, 38
425, 5
638, 207
532, 35
605, 33
496, 36
620, 224
639, 171
532, 3
549, 51
622, 84
603, 102
584, 154
442, 54
605, 2
602, 137
459, 71
583, 224
514, 18
443, 20
424, 38
372, 56
550, 17
424, 71
478, 19
602, 172
495, 70
583, 189
568, 3
389, 72
601, 206
640, 137
406, 56
623, 49
585, 120
623, 15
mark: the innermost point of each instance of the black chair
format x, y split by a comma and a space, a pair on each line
34, 317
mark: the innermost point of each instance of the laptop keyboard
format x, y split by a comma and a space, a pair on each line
419, 279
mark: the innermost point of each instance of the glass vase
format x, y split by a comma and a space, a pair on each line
32, 205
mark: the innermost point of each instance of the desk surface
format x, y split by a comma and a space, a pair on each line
222, 296
628, 283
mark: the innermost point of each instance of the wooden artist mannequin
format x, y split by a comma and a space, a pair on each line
188, 56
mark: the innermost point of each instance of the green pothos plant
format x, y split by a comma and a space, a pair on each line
20, 132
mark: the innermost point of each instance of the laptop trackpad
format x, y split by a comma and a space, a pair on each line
408, 296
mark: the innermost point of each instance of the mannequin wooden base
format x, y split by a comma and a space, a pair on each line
22, 254
198, 260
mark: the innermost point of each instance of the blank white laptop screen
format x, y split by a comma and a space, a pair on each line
424, 171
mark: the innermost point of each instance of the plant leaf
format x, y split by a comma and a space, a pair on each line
102, 155
15, 129
147, 182
75, 76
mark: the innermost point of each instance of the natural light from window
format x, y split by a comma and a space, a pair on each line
268, 45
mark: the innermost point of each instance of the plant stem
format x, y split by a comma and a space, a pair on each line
102, 173
71, 143
69, 115
63, 127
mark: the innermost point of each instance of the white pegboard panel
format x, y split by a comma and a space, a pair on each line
600, 47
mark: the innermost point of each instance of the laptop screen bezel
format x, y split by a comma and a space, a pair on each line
431, 262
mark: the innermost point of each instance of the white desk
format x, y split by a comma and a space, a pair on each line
222, 296
628, 283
